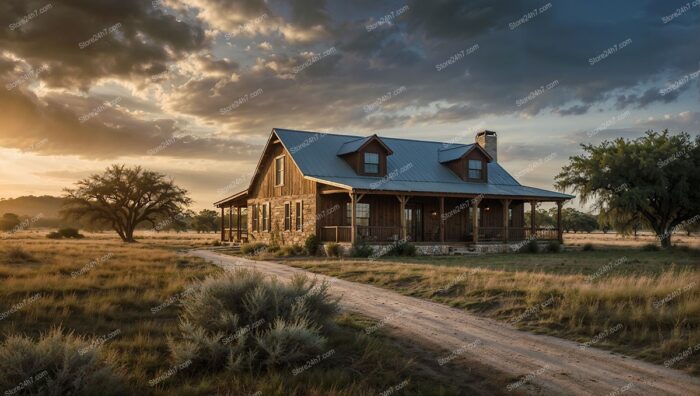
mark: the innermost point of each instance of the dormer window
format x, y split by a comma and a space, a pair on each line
371, 163
476, 169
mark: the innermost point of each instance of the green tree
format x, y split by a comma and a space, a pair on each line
123, 198
206, 221
655, 177
9, 222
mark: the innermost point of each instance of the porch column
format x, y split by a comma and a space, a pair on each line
475, 219
506, 206
353, 218
230, 223
442, 219
240, 226
402, 212
560, 235
223, 234
533, 228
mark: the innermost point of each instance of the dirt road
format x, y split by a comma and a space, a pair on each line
552, 365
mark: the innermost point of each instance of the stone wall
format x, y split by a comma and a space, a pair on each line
277, 220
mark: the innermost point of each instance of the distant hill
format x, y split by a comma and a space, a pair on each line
31, 206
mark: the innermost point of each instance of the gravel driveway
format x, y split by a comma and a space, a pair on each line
551, 365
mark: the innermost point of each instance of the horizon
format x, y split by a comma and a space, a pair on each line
192, 88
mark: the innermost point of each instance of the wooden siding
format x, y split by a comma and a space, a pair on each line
460, 166
356, 159
294, 182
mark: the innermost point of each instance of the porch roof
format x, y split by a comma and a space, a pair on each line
414, 167
237, 199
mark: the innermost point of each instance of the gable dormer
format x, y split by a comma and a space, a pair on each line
367, 156
468, 161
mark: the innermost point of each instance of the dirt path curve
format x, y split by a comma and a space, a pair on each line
556, 366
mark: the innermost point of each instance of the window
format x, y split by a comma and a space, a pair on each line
371, 163
361, 214
265, 220
287, 216
279, 171
255, 217
475, 169
299, 216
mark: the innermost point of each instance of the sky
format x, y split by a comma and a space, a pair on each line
192, 88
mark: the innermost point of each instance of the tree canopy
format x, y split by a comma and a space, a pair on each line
654, 178
123, 198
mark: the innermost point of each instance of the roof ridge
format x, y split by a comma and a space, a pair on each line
379, 136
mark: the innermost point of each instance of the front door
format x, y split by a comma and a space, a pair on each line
414, 222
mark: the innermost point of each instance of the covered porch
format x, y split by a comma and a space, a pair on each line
380, 217
234, 214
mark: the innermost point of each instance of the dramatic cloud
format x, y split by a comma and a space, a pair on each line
208, 79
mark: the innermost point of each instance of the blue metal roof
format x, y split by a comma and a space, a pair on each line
352, 145
452, 153
414, 166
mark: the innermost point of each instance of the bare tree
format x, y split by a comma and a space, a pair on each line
123, 198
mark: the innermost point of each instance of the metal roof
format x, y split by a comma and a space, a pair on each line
452, 153
352, 146
414, 166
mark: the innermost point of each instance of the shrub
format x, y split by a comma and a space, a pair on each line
54, 235
361, 249
216, 243
553, 246
650, 247
253, 248
57, 364
401, 248
15, 254
334, 250
588, 247
311, 245
70, 233
244, 321
291, 250
531, 247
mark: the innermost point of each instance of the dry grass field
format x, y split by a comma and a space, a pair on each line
98, 287
617, 296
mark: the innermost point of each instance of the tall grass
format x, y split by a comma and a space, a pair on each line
659, 314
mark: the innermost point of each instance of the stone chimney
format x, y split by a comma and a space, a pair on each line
489, 142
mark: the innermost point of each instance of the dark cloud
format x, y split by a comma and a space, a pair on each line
131, 39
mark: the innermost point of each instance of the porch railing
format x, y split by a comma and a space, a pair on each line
379, 233
335, 233
233, 232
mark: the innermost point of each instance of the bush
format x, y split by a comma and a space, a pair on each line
531, 247
291, 250
311, 245
15, 254
216, 243
361, 249
588, 247
57, 364
401, 248
253, 248
553, 247
651, 247
334, 250
70, 233
244, 321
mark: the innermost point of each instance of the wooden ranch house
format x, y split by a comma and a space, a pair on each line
383, 189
